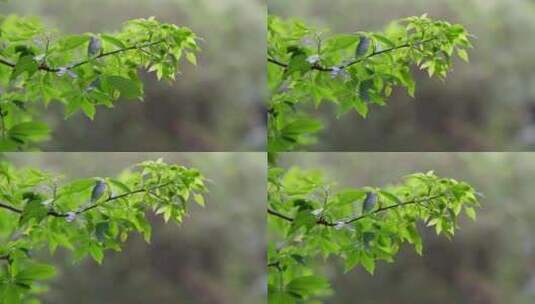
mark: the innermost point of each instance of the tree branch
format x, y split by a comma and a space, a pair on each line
280, 215
113, 198
46, 68
7, 63
412, 202
320, 68
324, 222
93, 206
10, 208
284, 65
134, 47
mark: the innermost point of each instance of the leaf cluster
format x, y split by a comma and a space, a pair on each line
308, 219
354, 71
82, 72
39, 210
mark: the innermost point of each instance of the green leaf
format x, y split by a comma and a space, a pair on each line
29, 131
191, 58
298, 64
408, 81
303, 219
352, 260
390, 196
96, 252
35, 271
339, 42
367, 262
463, 55
385, 40
308, 285
25, 64
11, 295
199, 199
144, 226
278, 297
112, 40
361, 108
349, 196
77, 186
127, 87
34, 209
470, 212
71, 42
124, 188
88, 108
101, 230
300, 126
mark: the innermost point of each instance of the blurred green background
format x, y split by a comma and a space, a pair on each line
490, 261
217, 256
217, 106
486, 105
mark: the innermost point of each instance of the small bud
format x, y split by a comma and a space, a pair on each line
343, 225
313, 59
72, 74
65, 70
339, 72
339, 225
308, 41
335, 71
62, 71
71, 216
317, 212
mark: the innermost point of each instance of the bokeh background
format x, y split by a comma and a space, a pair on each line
217, 255
489, 261
217, 106
486, 105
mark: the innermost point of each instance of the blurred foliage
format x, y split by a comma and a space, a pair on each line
486, 105
218, 106
216, 256
354, 71
82, 72
363, 226
490, 261
88, 216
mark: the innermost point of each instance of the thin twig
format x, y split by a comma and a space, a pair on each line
356, 61
324, 222
134, 47
5, 62
119, 197
393, 206
45, 67
10, 208
280, 215
113, 198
